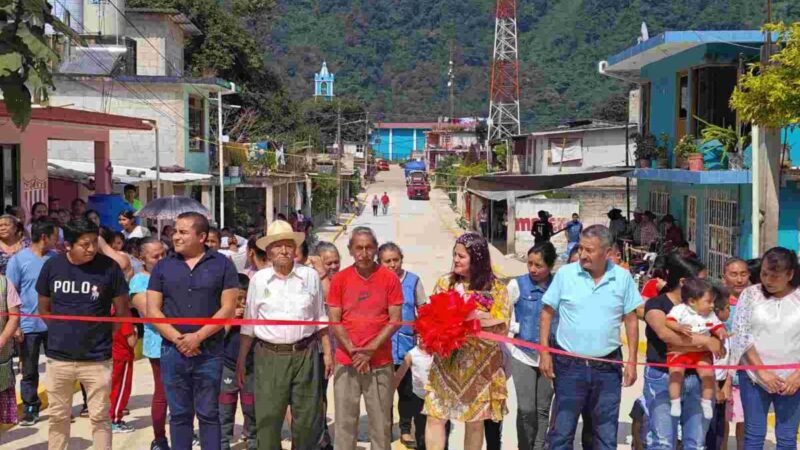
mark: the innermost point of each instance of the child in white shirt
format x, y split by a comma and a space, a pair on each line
694, 316
419, 362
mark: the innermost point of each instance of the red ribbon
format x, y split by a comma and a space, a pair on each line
481, 335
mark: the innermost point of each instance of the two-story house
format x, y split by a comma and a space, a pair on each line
135, 67
686, 80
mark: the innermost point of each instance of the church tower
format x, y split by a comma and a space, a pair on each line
323, 83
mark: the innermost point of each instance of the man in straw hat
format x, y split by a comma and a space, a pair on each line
288, 366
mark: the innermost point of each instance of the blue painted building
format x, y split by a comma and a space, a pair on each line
690, 74
323, 83
396, 140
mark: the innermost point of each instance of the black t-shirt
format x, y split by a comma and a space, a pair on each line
542, 231
231, 354
656, 348
85, 290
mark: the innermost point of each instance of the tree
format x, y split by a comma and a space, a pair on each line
25, 57
769, 94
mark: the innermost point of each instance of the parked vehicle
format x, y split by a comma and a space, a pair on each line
418, 176
383, 165
418, 188
412, 166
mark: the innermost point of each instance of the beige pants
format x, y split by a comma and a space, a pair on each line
377, 389
96, 378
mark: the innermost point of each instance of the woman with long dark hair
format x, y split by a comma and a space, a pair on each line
663, 428
471, 385
766, 331
127, 220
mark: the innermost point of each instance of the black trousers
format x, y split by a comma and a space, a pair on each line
29, 360
493, 432
716, 428
406, 405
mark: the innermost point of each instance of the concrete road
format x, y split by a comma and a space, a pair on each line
425, 230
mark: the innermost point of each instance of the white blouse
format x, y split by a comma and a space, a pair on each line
771, 325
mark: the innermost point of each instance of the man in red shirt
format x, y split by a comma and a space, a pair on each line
367, 299
385, 202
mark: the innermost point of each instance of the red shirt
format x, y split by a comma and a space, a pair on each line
385, 199
365, 309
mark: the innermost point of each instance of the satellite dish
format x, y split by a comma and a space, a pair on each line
645, 33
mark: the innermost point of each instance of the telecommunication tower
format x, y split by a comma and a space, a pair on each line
504, 83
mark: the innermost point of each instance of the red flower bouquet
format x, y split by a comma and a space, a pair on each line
446, 322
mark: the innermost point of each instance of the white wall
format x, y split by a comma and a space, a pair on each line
600, 148
526, 213
128, 148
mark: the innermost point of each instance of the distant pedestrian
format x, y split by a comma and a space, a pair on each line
23, 272
592, 299
483, 221
573, 230
404, 339
366, 299
288, 367
80, 282
542, 229
375, 203
195, 282
385, 203
152, 251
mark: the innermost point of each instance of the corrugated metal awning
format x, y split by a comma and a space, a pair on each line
541, 182
127, 174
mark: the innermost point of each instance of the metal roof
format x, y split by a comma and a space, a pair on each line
80, 117
177, 17
406, 125
128, 174
542, 182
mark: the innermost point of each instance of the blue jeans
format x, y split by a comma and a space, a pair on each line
579, 384
192, 386
663, 428
755, 404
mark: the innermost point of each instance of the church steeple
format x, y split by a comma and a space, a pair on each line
323, 83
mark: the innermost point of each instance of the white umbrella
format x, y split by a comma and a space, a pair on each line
170, 207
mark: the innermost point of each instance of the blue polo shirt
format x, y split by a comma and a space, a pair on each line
194, 293
590, 315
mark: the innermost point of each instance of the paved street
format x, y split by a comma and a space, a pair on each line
425, 230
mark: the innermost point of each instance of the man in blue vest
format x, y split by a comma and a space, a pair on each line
409, 405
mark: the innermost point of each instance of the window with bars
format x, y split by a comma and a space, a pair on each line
722, 212
691, 222
658, 202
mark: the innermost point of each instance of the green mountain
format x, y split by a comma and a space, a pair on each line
393, 54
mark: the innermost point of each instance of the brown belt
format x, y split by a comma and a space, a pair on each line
298, 346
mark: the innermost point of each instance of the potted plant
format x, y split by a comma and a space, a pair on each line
686, 149
645, 149
732, 143
660, 160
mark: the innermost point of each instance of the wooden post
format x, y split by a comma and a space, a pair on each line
768, 183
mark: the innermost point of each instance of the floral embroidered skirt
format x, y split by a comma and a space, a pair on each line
8, 406
469, 386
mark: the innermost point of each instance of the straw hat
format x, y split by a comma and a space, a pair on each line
280, 230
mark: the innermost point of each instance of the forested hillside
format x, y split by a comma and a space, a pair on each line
393, 54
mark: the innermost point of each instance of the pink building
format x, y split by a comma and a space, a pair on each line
23, 153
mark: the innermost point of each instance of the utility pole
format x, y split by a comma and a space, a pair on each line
337, 166
221, 163
366, 148
450, 87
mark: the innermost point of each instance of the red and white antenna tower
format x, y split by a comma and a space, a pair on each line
504, 87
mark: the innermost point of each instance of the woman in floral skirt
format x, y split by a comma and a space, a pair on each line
470, 386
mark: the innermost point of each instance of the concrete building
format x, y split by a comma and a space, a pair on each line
685, 75
139, 73
398, 140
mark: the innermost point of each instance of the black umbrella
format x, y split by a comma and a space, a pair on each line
170, 207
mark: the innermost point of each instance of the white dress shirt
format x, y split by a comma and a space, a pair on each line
296, 297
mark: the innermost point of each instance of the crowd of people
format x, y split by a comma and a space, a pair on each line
350, 327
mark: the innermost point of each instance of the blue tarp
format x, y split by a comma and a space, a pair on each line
414, 165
